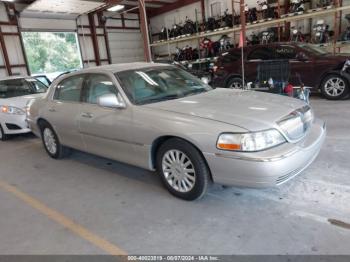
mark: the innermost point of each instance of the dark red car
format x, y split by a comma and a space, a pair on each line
316, 67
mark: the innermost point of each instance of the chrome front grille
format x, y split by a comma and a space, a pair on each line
296, 124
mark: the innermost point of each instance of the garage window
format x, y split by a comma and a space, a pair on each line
52, 53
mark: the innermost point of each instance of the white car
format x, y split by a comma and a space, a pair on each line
15, 93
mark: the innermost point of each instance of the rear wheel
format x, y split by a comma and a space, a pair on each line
51, 142
334, 87
235, 83
183, 169
3, 136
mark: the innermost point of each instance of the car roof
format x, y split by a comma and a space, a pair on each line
14, 77
114, 68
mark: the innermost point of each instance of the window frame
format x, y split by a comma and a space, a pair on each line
54, 98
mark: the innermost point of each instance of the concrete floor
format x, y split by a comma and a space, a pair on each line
129, 207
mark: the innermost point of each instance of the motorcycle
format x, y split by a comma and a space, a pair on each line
225, 43
163, 35
322, 33
206, 47
296, 35
267, 36
254, 39
226, 20
250, 14
324, 3
268, 12
297, 6
346, 34
189, 27
175, 31
211, 24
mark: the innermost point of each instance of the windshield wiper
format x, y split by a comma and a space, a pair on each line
195, 91
158, 99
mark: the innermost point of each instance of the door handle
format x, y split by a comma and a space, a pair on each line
52, 109
87, 115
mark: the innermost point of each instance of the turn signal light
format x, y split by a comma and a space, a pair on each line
229, 146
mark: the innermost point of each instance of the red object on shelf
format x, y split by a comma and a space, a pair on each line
289, 90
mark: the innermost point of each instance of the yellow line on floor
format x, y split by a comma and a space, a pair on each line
64, 221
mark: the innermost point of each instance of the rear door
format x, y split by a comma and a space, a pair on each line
63, 111
254, 58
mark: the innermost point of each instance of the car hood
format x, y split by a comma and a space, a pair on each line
19, 101
250, 110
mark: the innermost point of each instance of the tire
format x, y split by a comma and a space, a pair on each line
51, 142
235, 83
173, 158
334, 87
3, 136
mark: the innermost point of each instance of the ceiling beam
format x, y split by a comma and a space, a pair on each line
169, 7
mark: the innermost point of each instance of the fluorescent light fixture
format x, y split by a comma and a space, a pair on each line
116, 8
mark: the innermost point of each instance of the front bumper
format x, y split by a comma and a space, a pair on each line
14, 124
270, 167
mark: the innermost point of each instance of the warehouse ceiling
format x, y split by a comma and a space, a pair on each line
49, 8
65, 6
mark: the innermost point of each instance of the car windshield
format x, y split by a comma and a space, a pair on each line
21, 87
150, 85
313, 49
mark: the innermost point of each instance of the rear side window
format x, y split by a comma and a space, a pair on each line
230, 58
285, 52
261, 53
70, 89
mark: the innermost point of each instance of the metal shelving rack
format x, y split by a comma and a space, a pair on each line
336, 10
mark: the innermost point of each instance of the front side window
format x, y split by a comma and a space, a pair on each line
69, 89
20, 87
157, 84
261, 53
98, 85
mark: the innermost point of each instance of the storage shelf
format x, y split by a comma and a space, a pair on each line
266, 23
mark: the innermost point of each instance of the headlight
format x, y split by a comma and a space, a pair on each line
250, 142
12, 110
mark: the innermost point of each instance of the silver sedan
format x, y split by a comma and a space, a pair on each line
160, 117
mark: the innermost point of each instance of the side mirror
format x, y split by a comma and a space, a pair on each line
111, 101
301, 57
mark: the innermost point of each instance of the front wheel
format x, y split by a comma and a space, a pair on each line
182, 169
235, 83
334, 87
3, 136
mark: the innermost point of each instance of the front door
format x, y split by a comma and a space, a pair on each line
254, 58
105, 131
300, 69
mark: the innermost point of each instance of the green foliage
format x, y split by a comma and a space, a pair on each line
51, 52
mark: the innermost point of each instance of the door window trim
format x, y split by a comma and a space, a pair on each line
66, 78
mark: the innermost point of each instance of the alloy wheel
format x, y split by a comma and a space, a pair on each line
236, 85
50, 141
178, 171
334, 86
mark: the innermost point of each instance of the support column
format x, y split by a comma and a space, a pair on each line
4, 51
94, 38
203, 10
243, 22
144, 30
